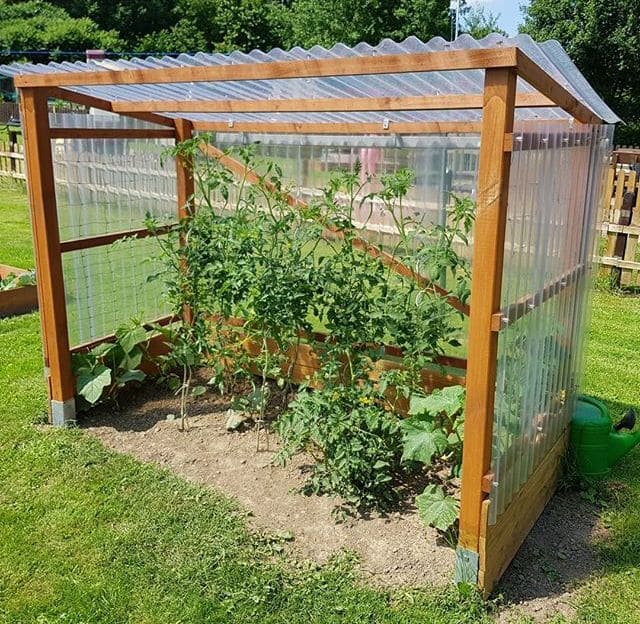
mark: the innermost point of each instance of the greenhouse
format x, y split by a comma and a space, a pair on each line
509, 123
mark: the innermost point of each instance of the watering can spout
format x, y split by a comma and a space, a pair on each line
621, 443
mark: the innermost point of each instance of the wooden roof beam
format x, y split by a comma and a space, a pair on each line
541, 81
356, 128
445, 60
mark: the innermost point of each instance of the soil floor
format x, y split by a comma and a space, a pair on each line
394, 549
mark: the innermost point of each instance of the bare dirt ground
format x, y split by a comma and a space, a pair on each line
557, 557
394, 550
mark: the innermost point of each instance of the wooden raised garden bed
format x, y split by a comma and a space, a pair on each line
16, 300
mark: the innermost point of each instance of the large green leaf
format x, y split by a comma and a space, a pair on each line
436, 508
448, 401
130, 375
422, 440
91, 385
130, 337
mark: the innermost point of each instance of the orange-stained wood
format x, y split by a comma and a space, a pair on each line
488, 254
409, 103
239, 169
184, 176
111, 133
500, 542
105, 105
185, 191
350, 128
44, 218
545, 84
350, 66
100, 240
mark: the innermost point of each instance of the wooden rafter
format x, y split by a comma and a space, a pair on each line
325, 105
545, 84
388, 260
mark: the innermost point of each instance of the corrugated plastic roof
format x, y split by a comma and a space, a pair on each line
550, 56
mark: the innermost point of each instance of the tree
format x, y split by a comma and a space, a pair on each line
222, 25
479, 22
603, 39
37, 25
335, 21
132, 19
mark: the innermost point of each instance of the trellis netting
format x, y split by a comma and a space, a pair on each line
548, 250
105, 186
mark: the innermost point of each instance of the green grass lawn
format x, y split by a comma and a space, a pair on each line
15, 237
91, 536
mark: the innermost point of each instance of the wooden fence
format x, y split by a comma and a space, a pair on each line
12, 157
620, 218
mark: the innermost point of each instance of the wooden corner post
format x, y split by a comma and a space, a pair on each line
488, 257
50, 282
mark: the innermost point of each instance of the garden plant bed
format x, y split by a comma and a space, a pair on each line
395, 549
16, 300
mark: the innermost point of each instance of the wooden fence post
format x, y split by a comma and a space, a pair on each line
488, 257
50, 282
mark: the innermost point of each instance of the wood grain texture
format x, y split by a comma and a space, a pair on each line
500, 542
348, 128
546, 85
488, 255
459, 101
312, 68
44, 218
105, 105
111, 133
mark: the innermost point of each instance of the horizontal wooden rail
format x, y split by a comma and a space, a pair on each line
327, 105
445, 60
90, 344
620, 263
530, 302
111, 133
390, 350
349, 128
89, 242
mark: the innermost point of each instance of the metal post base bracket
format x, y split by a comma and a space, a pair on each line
467, 566
63, 413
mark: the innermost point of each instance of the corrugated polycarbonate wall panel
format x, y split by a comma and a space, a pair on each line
105, 186
556, 172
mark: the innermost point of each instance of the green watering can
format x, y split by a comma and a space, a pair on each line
596, 443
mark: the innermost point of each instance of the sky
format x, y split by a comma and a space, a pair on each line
509, 11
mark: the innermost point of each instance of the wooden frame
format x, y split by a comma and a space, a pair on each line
488, 255
479, 551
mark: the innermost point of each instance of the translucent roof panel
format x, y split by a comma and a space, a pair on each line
549, 56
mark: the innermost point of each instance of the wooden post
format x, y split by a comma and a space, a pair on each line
184, 188
488, 256
50, 282
184, 179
